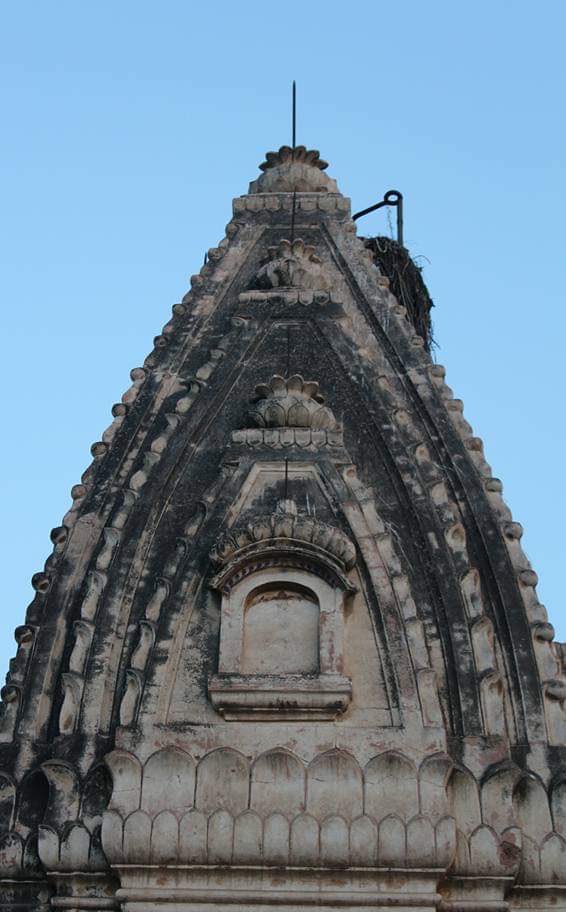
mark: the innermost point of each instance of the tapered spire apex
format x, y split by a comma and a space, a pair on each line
294, 169
298, 154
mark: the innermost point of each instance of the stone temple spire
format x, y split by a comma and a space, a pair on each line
287, 651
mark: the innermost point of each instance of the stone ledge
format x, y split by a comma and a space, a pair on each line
302, 296
326, 202
276, 697
286, 437
289, 889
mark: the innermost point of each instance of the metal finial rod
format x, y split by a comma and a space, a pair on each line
294, 115
294, 131
293, 211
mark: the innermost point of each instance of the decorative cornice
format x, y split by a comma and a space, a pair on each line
277, 697
282, 438
289, 297
280, 529
332, 204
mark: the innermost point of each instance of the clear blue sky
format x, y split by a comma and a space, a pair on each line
129, 126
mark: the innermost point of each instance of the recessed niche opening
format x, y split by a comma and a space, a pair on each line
281, 631
281, 650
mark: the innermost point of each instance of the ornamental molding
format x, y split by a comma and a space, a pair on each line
283, 438
289, 296
292, 264
293, 170
284, 532
273, 698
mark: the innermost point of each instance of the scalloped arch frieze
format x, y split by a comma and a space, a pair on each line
223, 811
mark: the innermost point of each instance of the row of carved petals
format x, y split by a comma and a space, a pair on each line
68, 825
286, 526
511, 808
288, 154
250, 840
386, 813
333, 783
291, 402
547, 654
507, 825
293, 170
75, 849
415, 340
100, 448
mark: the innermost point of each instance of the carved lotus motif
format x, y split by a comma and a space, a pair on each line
292, 264
291, 403
299, 169
299, 154
294, 528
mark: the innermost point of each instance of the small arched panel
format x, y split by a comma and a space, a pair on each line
281, 642
33, 801
281, 631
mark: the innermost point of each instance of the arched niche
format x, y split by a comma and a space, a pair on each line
281, 630
282, 608
33, 801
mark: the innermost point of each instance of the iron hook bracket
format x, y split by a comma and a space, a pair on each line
391, 198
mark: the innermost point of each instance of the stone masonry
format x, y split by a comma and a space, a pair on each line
287, 650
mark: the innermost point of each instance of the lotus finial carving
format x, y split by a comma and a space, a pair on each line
289, 170
291, 402
292, 264
287, 154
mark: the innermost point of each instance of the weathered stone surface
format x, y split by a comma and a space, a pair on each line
287, 653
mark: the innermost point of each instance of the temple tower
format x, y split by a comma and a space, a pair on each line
287, 650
